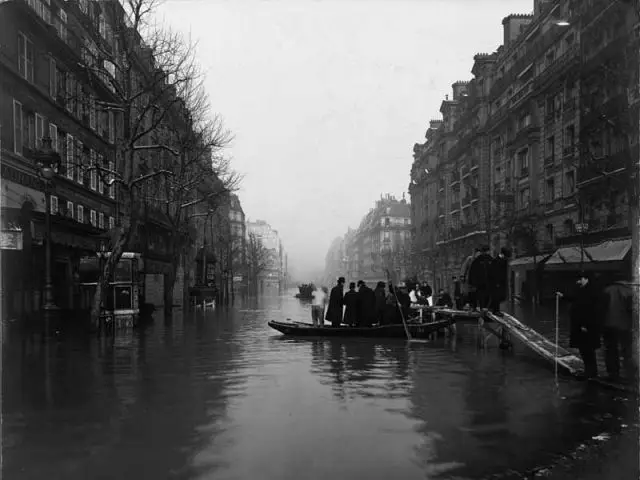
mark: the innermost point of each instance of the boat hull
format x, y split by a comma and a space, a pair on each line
298, 329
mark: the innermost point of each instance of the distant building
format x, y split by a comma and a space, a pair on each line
381, 242
274, 276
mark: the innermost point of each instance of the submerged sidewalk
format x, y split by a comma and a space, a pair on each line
542, 318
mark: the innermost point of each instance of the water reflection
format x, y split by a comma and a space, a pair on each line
219, 395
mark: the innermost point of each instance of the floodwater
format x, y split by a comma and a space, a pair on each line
222, 396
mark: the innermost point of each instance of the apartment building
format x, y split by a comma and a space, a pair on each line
45, 93
512, 160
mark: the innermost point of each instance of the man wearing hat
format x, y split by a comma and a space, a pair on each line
336, 300
499, 279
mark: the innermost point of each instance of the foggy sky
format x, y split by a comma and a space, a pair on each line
326, 98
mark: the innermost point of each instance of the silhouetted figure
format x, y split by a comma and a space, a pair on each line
617, 329
351, 304
585, 327
366, 305
444, 299
499, 279
336, 300
480, 277
468, 291
457, 293
381, 300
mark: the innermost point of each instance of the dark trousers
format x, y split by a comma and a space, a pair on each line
590, 364
618, 343
471, 298
483, 298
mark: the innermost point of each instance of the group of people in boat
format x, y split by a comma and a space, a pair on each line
362, 306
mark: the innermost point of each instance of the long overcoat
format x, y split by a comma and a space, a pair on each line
336, 300
351, 307
585, 313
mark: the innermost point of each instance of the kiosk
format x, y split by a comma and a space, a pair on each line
121, 300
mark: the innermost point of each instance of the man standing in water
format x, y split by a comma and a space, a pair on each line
318, 302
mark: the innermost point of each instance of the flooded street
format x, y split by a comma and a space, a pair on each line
222, 396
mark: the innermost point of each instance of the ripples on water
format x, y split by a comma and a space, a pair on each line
221, 396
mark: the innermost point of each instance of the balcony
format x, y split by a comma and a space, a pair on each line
455, 178
455, 206
557, 68
466, 201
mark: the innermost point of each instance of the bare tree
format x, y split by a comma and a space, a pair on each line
258, 258
148, 71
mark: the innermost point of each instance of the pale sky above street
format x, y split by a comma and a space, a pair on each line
326, 98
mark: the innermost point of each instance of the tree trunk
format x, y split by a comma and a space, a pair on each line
117, 250
170, 282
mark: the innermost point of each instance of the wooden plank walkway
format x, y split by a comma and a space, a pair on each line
540, 344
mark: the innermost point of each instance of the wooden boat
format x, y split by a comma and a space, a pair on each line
417, 330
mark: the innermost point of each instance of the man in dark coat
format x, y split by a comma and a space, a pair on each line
617, 329
498, 279
351, 306
366, 305
444, 299
381, 300
480, 277
336, 300
585, 322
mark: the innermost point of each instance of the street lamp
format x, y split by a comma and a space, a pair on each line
48, 163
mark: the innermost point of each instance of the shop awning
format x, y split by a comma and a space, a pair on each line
605, 252
528, 261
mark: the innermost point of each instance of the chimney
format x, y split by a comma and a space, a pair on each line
459, 88
513, 25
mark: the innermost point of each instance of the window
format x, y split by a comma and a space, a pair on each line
112, 223
70, 209
551, 189
551, 147
39, 130
101, 220
53, 133
29, 129
387, 236
112, 128
69, 98
524, 197
102, 24
69, 157
569, 136
25, 57
53, 78
92, 112
523, 161
92, 217
80, 214
94, 172
84, 6
568, 226
112, 187
569, 183
62, 25
549, 229
54, 205
17, 127
80, 163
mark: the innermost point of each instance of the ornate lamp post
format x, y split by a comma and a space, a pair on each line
48, 162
